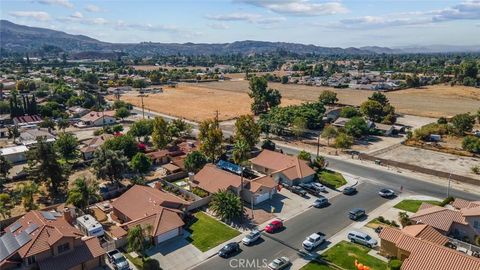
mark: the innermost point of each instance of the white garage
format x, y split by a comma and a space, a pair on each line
167, 235
264, 196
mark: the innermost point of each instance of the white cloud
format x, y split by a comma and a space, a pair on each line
63, 3
246, 17
35, 15
299, 7
147, 27
77, 15
92, 8
218, 26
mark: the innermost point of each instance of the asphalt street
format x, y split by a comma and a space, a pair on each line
329, 220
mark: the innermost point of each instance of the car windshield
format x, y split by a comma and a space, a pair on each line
120, 260
252, 235
368, 237
277, 262
310, 239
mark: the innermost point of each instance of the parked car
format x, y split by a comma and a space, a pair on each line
117, 260
361, 238
356, 213
320, 202
319, 187
251, 238
386, 193
349, 190
229, 249
313, 241
310, 189
274, 226
279, 263
298, 190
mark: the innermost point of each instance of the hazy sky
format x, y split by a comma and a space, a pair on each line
320, 22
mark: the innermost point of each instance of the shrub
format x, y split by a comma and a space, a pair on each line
151, 264
424, 132
381, 219
394, 224
447, 201
471, 144
395, 264
476, 169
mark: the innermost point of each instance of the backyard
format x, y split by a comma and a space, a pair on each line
413, 205
207, 232
344, 255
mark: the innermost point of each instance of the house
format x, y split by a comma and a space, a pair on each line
29, 136
422, 247
386, 130
159, 157
462, 223
15, 154
332, 114
96, 119
147, 206
255, 189
27, 120
340, 122
92, 145
46, 240
283, 168
77, 111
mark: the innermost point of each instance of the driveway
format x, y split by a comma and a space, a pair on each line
176, 253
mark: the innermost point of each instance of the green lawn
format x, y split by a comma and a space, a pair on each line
344, 254
413, 205
208, 232
139, 263
331, 178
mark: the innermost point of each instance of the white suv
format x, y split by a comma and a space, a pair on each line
362, 238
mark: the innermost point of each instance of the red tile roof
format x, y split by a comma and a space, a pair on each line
438, 217
291, 166
212, 179
27, 119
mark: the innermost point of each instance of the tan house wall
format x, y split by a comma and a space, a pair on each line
388, 248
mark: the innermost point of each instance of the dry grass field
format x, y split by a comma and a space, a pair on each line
430, 101
196, 103
150, 67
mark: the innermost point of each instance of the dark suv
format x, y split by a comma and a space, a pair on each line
356, 213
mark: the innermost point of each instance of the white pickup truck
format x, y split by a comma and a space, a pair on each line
313, 241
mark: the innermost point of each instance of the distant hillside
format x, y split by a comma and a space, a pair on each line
21, 39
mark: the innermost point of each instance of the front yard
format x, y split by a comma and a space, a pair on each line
413, 205
344, 255
331, 179
207, 232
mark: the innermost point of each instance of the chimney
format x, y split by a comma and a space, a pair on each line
69, 215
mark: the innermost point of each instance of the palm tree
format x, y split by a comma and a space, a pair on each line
226, 205
136, 240
83, 193
13, 133
27, 192
241, 151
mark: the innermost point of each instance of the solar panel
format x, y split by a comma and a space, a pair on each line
10, 243
32, 227
225, 165
22, 238
48, 215
15, 227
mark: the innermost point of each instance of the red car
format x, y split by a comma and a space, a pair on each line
274, 226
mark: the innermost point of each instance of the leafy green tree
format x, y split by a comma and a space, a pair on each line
117, 104
241, 151
62, 124
343, 141
210, 137
124, 143
6, 205
442, 121
349, 112
372, 109
83, 193
43, 166
48, 123
299, 126
195, 161
329, 133
226, 205
319, 163
13, 133
5, 167
304, 155
471, 144
139, 83
247, 130
463, 123
141, 163
356, 127
268, 145
27, 192
178, 128
328, 97
136, 240
380, 98
66, 145
109, 164
122, 113
263, 98
141, 128
160, 135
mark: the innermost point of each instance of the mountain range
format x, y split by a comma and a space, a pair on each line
15, 38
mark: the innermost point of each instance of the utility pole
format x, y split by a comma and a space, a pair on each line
143, 107
448, 188
251, 199
241, 191
318, 144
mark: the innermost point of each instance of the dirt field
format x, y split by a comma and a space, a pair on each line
150, 68
196, 103
433, 160
431, 101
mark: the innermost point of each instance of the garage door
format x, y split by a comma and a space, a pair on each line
262, 197
168, 235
